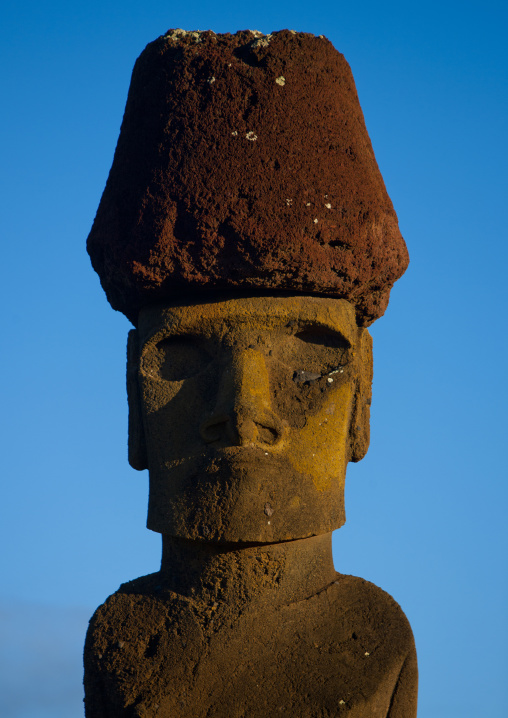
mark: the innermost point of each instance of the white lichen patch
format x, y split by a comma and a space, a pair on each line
328, 205
251, 136
234, 133
367, 653
342, 703
280, 81
289, 202
316, 220
178, 34
307, 204
211, 80
262, 40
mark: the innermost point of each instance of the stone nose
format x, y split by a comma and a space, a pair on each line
243, 414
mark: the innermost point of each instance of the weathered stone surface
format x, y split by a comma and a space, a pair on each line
171, 645
243, 162
246, 411
246, 231
238, 446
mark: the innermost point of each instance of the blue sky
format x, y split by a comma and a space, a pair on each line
427, 507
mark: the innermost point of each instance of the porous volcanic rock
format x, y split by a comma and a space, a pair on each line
243, 163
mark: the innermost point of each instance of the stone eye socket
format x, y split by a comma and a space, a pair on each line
182, 357
317, 337
319, 351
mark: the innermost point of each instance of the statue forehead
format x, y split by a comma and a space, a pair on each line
244, 314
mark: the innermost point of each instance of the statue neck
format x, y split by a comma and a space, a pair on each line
236, 575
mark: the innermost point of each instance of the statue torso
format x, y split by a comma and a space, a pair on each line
346, 651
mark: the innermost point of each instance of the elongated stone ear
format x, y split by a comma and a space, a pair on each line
137, 445
359, 431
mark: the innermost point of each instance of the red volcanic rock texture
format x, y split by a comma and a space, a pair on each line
243, 164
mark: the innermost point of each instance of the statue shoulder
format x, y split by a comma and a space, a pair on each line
134, 638
378, 621
143, 601
365, 593
368, 614
371, 642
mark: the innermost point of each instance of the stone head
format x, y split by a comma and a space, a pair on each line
246, 231
246, 411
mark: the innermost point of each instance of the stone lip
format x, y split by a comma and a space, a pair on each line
244, 164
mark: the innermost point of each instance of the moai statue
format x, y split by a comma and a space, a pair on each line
246, 232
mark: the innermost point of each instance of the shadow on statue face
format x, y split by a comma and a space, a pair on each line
246, 412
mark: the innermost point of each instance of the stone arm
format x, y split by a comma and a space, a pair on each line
96, 704
99, 702
403, 703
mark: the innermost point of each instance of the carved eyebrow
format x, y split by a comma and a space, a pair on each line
300, 323
158, 333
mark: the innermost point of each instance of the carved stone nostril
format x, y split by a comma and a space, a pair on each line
240, 428
214, 430
267, 434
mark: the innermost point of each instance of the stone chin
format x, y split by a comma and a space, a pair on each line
242, 495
